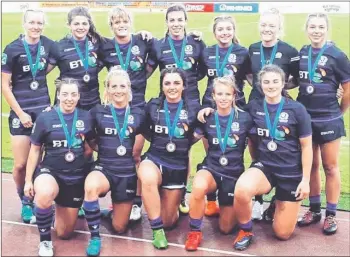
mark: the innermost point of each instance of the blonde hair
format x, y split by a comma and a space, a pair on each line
275, 11
115, 72
229, 19
118, 13
317, 15
25, 15
229, 81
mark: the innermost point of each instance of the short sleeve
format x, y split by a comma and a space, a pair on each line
294, 63
246, 68
152, 59
54, 54
39, 130
342, 68
145, 129
7, 60
202, 67
304, 122
90, 130
142, 119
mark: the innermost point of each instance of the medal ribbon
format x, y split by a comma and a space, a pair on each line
272, 57
312, 68
179, 63
65, 128
33, 67
223, 143
272, 130
85, 60
123, 64
120, 132
171, 127
220, 70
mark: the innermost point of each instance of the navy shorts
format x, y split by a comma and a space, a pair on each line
123, 188
285, 186
171, 178
225, 186
327, 131
15, 125
71, 193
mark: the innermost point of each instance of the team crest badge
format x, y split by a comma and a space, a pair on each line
16, 123
188, 49
135, 50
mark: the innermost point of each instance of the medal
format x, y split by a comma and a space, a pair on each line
272, 57
170, 147
123, 64
69, 157
86, 78
310, 89
121, 150
179, 63
223, 161
34, 85
272, 146
220, 70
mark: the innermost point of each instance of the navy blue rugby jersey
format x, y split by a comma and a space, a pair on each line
48, 131
108, 139
71, 66
157, 131
332, 69
162, 56
137, 67
234, 152
238, 65
287, 58
294, 123
14, 61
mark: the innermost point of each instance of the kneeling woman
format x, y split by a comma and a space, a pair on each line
63, 132
284, 148
226, 131
170, 131
116, 128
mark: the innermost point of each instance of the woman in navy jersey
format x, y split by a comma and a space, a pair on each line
163, 171
117, 125
270, 50
24, 62
226, 130
283, 158
63, 132
323, 68
226, 58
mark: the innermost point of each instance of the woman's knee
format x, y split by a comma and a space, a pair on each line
119, 228
44, 197
283, 234
331, 169
242, 192
170, 223
19, 167
91, 188
225, 228
199, 188
63, 232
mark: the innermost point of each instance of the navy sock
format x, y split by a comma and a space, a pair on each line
196, 224
211, 197
315, 203
137, 200
93, 217
44, 219
156, 223
20, 193
259, 198
246, 226
331, 209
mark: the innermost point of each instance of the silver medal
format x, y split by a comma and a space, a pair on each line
171, 147
69, 157
34, 85
121, 150
272, 146
86, 78
223, 161
310, 89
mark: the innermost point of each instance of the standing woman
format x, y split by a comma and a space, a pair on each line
117, 125
284, 154
323, 68
226, 130
25, 62
226, 58
270, 50
64, 132
129, 52
163, 172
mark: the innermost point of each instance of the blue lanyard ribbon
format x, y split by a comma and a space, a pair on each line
179, 63
171, 127
223, 143
85, 59
65, 128
272, 57
33, 67
312, 68
123, 64
272, 130
120, 132
220, 70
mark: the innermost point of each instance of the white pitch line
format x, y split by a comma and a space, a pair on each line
137, 239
